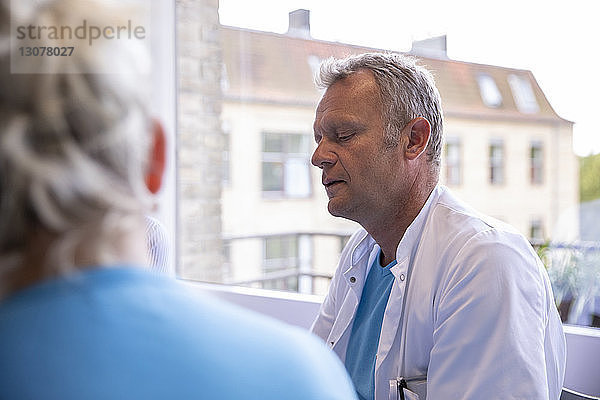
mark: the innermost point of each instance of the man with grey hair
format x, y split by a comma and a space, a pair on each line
81, 317
430, 299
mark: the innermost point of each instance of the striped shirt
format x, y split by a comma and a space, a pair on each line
158, 244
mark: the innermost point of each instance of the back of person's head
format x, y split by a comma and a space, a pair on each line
73, 144
407, 91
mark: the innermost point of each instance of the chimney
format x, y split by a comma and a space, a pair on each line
434, 47
299, 25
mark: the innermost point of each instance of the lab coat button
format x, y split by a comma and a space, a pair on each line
402, 277
352, 279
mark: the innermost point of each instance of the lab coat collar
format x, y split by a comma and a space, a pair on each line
407, 248
364, 246
355, 275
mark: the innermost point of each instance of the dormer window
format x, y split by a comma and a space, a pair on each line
523, 94
489, 91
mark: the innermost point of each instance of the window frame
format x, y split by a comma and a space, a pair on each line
497, 163
453, 164
284, 157
536, 164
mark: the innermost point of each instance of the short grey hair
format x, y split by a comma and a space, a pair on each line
73, 146
407, 91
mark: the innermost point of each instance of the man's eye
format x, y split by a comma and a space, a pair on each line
345, 136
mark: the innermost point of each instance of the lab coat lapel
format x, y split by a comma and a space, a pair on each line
393, 312
354, 278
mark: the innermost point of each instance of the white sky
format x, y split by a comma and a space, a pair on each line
559, 41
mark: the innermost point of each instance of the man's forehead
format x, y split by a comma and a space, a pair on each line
360, 80
356, 90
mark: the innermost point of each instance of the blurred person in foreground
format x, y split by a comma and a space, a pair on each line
80, 315
430, 298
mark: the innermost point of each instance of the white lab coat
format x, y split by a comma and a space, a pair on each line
471, 307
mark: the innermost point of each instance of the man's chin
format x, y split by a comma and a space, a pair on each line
336, 209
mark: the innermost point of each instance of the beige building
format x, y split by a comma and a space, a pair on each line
507, 153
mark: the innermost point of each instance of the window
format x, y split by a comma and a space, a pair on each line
453, 161
280, 263
489, 91
536, 163
536, 231
285, 165
523, 94
496, 162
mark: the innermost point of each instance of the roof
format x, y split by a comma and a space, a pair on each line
278, 68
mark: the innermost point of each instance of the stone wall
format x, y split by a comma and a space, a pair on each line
200, 140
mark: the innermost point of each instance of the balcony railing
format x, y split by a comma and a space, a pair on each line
573, 268
304, 272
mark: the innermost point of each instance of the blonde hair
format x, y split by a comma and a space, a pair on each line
73, 146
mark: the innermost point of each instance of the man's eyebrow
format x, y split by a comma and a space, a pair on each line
343, 124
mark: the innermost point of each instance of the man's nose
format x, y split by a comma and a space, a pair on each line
323, 155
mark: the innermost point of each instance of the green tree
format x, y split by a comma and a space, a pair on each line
589, 178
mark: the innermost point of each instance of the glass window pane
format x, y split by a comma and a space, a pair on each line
273, 143
489, 91
272, 176
298, 144
496, 163
273, 248
523, 94
453, 162
536, 233
262, 84
536, 163
297, 178
280, 264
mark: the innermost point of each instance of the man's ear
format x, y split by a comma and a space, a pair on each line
156, 163
418, 132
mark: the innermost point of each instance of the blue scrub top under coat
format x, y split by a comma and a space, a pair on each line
362, 346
